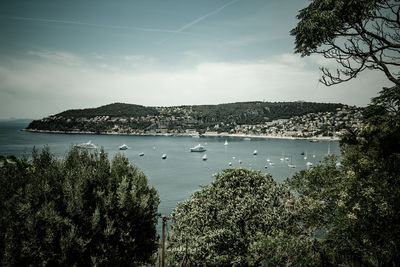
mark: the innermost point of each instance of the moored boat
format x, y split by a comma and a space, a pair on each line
123, 147
88, 145
198, 148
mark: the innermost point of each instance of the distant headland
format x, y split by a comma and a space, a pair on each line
305, 120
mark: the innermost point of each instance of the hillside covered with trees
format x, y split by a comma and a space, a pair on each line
136, 119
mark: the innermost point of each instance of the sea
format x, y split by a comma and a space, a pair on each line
183, 172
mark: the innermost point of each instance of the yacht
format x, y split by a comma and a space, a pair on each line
88, 145
123, 147
204, 157
291, 165
309, 164
141, 154
198, 148
164, 156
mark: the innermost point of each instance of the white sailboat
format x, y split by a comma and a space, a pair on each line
198, 148
88, 145
291, 165
123, 147
226, 143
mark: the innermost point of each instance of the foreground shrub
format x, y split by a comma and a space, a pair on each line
225, 222
80, 210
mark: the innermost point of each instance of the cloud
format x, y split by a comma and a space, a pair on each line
36, 89
57, 57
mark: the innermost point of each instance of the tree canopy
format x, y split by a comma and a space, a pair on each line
225, 222
80, 210
358, 34
359, 202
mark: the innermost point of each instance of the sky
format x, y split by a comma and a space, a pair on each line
57, 55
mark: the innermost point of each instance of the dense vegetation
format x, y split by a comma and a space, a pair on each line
113, 110
223, 224
133, 117
81, 210
255, 112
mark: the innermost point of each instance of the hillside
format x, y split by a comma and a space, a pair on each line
135, 119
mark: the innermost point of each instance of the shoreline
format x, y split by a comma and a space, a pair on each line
206, 134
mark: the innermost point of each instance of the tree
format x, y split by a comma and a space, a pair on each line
358, 34
358, 205
225, 222
81, 210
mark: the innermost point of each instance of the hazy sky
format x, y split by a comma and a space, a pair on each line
57, 55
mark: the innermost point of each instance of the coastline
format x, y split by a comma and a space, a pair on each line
206, 134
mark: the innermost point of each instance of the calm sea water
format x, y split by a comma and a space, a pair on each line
183, 172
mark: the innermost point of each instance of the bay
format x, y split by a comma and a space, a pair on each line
183, 172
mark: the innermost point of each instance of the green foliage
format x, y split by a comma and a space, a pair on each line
225, 222
358, 205
113, 110
357, 34
80, 210
256, 112
323, 20
201, 117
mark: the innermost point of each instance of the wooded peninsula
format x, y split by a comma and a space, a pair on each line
264, 119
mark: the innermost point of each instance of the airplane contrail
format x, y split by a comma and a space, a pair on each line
92, 24
184, 27
190, 24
